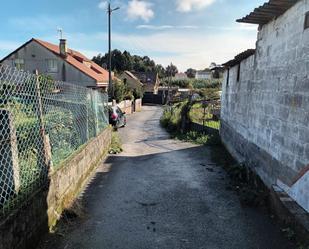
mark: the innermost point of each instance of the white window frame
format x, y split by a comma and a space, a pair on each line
19, 64
52, 65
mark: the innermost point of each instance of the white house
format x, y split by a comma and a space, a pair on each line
203, 75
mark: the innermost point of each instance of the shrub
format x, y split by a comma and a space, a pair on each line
63, 132
138, 93
171, 118
119, 91
198, 138
115, 147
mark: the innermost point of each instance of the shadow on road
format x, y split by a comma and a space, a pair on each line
175, 199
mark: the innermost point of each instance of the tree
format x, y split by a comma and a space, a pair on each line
171, 70
98, 59
191, 73
119, 91
212, 65
122, 61
138, 93
160, 70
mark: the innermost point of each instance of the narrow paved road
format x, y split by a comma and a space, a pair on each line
159, 194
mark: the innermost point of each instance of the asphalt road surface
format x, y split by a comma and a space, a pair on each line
162, 193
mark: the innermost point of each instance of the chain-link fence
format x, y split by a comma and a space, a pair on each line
42, 123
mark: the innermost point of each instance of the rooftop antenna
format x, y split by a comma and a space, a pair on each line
60, 32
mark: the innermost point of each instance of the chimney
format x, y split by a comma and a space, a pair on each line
63, 47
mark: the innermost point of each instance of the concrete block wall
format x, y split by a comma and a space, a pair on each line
23, 228
126, 106
265, 115
70, 178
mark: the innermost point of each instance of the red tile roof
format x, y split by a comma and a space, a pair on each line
79, 61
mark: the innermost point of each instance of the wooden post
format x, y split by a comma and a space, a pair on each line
9, 164
44, 148
204, 117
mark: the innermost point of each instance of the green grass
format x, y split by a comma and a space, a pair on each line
116, 145
197, 115
171, 120
198, 138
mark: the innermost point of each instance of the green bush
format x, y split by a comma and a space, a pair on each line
165, 119
63, 134
138, 93
195, 83
198, 138
202, 84
129, 96
116, 146
171, 118
119, 91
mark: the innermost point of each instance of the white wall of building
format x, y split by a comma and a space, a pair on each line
267, 110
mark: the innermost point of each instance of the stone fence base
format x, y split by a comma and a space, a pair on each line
23, 228
129, 106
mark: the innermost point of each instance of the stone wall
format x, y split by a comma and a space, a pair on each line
138, 105
23, 227
265, 114
126, 106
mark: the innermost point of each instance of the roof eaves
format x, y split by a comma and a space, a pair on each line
268, 12
239, 58
68, 61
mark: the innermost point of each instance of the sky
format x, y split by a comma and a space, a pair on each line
187, 33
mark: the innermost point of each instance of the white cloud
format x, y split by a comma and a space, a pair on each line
196, 50
153, 27
165, 27
140, 10
190, 5
103, 5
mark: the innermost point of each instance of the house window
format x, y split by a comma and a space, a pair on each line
19, 64
52, 66
307, 20
238, 72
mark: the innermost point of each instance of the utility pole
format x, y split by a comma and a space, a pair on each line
169, 83
110, 81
